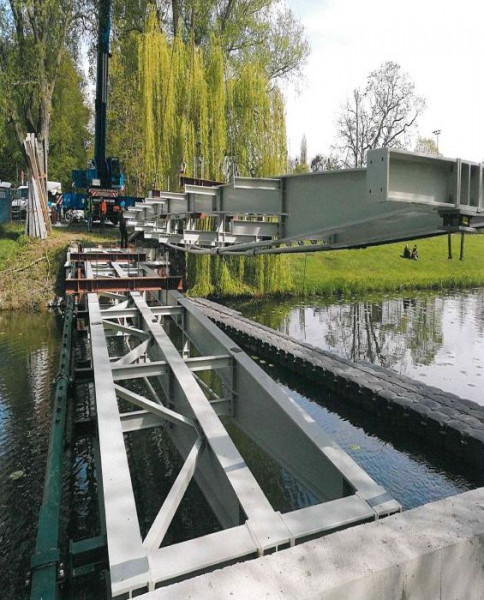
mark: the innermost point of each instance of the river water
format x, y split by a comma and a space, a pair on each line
436, 338
29, 349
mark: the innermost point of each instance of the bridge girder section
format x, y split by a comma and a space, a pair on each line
399, 195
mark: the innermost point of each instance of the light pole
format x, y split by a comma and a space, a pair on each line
437, 132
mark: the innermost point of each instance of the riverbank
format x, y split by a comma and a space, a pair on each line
31, 272
381, 268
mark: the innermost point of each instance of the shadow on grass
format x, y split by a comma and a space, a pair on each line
8, 232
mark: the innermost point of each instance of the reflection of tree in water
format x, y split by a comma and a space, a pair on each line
271, 313
383, 332
390, 332
478, 301
470, 305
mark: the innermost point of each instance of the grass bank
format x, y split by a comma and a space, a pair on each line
31, 270
380, 268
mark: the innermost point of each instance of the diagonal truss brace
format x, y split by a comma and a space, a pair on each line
251, 525
158, 529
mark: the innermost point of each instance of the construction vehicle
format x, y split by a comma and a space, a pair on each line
103, 179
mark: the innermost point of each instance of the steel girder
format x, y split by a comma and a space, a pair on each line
255, 404
399, 195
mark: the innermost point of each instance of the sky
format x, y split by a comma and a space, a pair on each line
438, 43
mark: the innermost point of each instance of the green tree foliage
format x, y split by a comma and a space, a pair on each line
257, 133
427, 146
262, 30
35, 35
124, 134
193, 111
69, 133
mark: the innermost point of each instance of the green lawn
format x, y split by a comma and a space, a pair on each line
382, 268
29, 268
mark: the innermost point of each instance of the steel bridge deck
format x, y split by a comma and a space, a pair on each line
160, 341
176, 397
254, 402
398, 196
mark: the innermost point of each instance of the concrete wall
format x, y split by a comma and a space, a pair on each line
432, 552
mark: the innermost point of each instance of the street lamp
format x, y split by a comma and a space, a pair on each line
437, 132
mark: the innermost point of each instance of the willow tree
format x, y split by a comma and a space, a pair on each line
124, 133
196, 108
157, 98
256, 123
217, 98
263, 30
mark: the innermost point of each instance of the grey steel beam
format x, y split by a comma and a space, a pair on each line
88, 269
160, 525
160, 367
128, 561
158, 409
134, 354
112, 295
180, 560
127, 330
140, 419
118, 312
136, 371
118, 269
209, 363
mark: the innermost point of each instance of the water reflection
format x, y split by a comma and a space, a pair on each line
437, 338
403, 465
28, 358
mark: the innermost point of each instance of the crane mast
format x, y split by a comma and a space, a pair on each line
103, 178
104, 30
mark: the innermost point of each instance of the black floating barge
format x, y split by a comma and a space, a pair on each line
444, 420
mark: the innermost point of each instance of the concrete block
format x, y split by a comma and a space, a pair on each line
462, 567
434, 552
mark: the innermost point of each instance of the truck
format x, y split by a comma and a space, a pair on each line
21, 196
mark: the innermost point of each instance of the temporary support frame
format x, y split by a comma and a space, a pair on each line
257, 406
95, 270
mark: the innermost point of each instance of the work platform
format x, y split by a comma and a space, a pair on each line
398, 196
98, 270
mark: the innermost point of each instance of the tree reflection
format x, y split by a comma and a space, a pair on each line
385, 332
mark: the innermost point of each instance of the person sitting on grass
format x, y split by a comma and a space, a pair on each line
414, 253
406, 252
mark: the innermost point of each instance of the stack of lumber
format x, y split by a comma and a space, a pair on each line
37, 222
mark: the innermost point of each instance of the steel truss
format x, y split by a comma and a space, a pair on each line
400, 195
94, 270
189, 410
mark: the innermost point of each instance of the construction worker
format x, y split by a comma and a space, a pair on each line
89, 212
103, 209
122, 225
